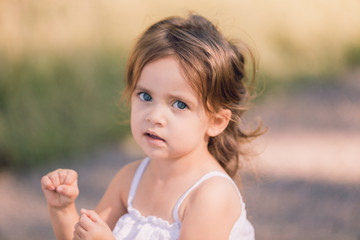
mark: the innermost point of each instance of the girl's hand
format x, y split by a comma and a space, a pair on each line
92, 227
60, 187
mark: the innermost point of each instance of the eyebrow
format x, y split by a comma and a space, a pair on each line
140, 88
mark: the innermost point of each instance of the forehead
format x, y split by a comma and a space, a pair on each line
164, 73
167, 67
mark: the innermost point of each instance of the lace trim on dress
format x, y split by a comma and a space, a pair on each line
152, 219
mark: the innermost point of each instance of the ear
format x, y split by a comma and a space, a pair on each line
218, 122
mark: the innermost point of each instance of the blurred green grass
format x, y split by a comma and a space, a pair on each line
51, 106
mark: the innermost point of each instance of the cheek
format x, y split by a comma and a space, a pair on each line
135, 110
135, 120
192, 128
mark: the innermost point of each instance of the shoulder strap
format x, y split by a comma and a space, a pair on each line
135, 182
202, 179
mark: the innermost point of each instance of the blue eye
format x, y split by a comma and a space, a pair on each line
145, 96
180, 105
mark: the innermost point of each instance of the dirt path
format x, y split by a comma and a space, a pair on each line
309, 166
291, 207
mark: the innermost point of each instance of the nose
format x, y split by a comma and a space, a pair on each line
157, 115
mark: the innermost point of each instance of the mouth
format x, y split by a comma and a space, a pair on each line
154, 136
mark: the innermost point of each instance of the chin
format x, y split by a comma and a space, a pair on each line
155, 153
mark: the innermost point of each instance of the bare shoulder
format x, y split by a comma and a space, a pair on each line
217, 193
122, 180
114, 202
213, 201
126, 173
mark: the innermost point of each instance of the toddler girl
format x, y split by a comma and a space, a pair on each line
188, 89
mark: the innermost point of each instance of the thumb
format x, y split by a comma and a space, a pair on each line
91, 214
69, 191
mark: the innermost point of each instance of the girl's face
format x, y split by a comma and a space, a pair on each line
167, 119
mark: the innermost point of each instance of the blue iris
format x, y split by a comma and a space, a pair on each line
180, 105
145, 96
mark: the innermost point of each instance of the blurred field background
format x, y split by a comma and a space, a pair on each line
61, 71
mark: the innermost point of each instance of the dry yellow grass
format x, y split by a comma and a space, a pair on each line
289, 35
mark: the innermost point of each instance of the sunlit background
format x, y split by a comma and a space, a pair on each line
61, 72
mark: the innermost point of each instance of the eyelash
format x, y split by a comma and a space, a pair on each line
144, 96
176, 105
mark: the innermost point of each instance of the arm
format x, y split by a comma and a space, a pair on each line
210, 211
60, 190
98, 224
114, 202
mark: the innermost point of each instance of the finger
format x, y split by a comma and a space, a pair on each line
79, 231
76, 236
69, 191
85, 222
62, 175
91, 214
70, 178
46, 183
54, 177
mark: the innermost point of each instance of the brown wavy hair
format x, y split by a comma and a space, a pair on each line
213, 66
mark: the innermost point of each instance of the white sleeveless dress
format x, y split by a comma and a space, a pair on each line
134, 226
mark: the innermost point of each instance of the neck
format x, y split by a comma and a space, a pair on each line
166, 169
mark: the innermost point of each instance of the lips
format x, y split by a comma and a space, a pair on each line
154, 136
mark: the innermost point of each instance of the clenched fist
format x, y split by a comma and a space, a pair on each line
60, 187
